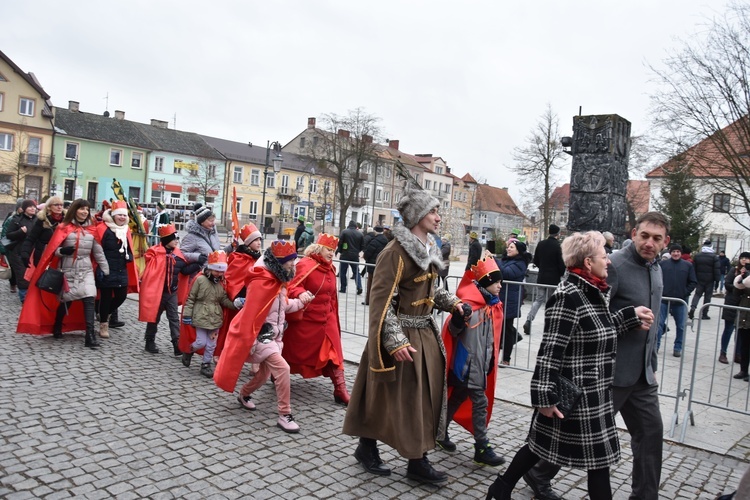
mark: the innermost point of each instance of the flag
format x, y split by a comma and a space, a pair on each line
235, 218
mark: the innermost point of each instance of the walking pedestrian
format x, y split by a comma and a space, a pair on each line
548, 259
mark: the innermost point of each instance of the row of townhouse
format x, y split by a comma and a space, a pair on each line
76, 154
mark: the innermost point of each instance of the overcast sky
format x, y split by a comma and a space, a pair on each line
464, 80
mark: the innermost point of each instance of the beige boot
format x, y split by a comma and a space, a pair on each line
104, 330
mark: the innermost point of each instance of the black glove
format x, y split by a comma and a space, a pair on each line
67, 250
457, 320
467, 310
202, 259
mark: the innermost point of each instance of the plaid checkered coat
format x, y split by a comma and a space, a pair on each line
579, 342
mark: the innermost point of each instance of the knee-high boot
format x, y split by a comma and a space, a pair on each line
340, 394
90, 315
62, 309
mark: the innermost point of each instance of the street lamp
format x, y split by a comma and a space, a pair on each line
300, 189
326, 187
73, 172
277, 160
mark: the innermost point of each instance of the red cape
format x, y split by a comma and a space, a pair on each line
238, 271
245, 327
469, 294
152, 283
309, 327
39, 309
133, 280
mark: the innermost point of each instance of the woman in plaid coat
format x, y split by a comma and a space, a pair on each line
579, 342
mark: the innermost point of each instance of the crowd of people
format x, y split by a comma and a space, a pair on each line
277, 309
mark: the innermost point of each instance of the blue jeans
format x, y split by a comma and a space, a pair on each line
726, 336
679, 313
720, 285
342, 275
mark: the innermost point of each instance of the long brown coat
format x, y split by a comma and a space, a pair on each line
402, 404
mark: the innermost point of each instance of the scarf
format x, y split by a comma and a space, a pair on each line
488, 297
121, 232
600, 283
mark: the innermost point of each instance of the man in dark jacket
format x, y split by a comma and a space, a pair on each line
373, 248
548, 259
475, 250
679, 283
299, 230
707, 271
350, 245
20, 224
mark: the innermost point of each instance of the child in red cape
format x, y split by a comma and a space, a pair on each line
472, 348
164, 286
256, 333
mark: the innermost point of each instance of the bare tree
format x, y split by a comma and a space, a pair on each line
702, 112
203, 181
537, 161
346, 145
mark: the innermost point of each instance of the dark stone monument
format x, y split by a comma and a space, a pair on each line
599, 175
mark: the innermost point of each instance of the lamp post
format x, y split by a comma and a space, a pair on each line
276, 146
326, 187
73, 172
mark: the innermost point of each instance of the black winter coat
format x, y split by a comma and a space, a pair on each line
732, 296
118, 271
548, 259
475, 253
37, 239
376, 245
351, 242
15, 233
707, 267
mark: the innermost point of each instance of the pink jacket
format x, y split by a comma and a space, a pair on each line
277, 318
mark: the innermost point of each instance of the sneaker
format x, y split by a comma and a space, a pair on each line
446, 444
677, 353
245, 402
527, 327
485, 455
287, 424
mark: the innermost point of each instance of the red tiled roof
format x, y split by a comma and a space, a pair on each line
468, 178
714, 156
492, 199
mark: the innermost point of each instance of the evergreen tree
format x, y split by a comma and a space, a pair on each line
679, 201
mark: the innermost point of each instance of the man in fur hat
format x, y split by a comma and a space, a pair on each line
399, 394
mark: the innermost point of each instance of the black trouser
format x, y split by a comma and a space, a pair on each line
109, 300
743, 335
88, 314
510, 335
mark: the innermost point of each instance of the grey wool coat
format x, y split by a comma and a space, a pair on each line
78, 268
403, 404
579, 343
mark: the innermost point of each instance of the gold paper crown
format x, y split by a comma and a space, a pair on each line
247, 230
217, 257
281, 249
328, 241
484, 267
120, 205
165, 231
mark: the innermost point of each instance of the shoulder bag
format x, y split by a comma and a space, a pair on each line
52, 280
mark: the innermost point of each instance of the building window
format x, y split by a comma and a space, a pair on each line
6, 142
300, 184
387, 196
271, 180
719, 242
209, 199
255, 177
135, 193
438, 170
327, 186
26, 107
396, 197
156, 196
192, 197
367, 192
237, 175
314, 186
301, 142
239, 205
253, 210
32, 151
2, 100
71, 150
193, 172
721, 203
212, 171
447, 188
285, 184
159, 164
378, 194
6, 184
315, 141
136, 159
427, 184
115, 157
175, 198
176, 169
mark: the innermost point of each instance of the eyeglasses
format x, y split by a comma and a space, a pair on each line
56, 205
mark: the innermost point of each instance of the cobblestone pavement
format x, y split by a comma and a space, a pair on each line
119, 422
